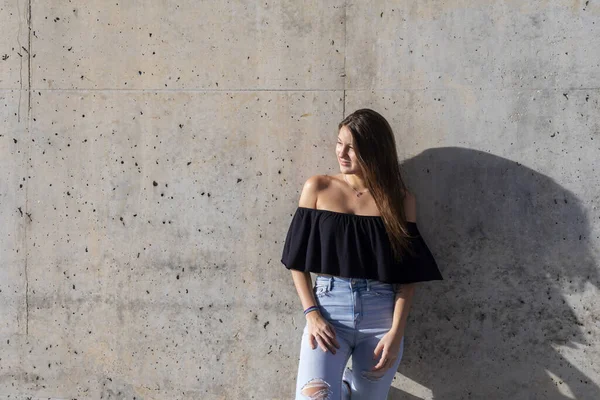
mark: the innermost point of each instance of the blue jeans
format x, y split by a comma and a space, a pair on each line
361, 312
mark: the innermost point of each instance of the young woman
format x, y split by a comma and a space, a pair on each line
357, 231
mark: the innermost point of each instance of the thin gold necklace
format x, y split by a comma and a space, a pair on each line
358, 194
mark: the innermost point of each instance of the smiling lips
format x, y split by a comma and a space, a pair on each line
345, 162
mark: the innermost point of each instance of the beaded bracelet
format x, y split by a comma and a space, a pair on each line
311, 308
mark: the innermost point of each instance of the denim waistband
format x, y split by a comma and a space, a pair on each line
350, 283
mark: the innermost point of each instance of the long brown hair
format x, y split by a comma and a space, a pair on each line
375, 148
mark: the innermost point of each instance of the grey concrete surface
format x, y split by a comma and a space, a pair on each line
152, 155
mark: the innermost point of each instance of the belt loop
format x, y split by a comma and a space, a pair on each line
368, 285
330, 283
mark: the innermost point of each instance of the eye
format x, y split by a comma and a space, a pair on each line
341, 144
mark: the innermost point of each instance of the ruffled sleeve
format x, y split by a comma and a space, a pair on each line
421, 266
301, 242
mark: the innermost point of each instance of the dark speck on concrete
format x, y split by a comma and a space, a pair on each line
154, 183
265, 325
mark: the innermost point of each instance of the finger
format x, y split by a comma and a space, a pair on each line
327, 331
391, 362
316, 339
379, 365
382, 362
336, 343
333, 338
378, 350
388, 364
320, 343
313, 341
324, 344
331, 329
328, 343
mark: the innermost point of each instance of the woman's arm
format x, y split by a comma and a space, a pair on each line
320, 331
388, 347
303, 284
405, 292
404, 296
302, 280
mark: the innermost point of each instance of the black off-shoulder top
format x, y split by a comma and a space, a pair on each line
353, 246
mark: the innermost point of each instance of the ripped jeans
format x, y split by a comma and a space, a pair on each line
361, 312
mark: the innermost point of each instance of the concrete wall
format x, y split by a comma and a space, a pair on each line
152, 154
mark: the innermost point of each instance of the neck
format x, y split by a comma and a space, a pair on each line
356, 181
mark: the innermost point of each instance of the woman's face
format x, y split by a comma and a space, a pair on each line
345, 152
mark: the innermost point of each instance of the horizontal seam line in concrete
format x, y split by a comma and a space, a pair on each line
175, 90
294, 90
471, 87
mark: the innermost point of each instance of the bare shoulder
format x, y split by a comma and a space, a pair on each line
410, 207
311, 189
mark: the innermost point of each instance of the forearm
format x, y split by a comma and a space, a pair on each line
403, 302
303, 284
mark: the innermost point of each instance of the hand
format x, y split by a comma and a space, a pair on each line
321, 332
389, 348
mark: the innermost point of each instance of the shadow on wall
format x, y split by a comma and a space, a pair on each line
512, 246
